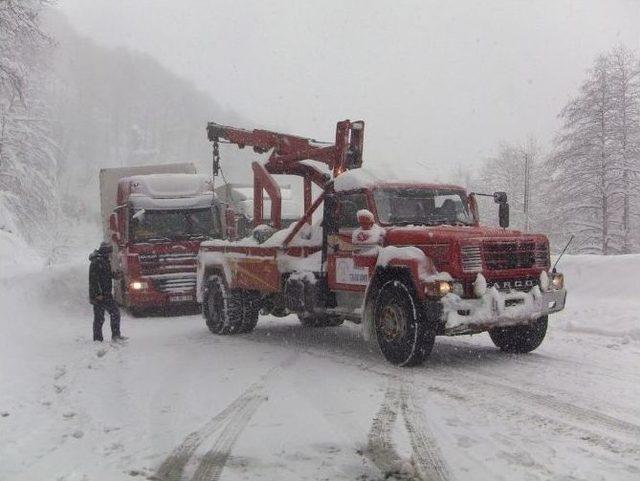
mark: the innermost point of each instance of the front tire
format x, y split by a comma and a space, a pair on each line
404, 334
520, 339
222, 308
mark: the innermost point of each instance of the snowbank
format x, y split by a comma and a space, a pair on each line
603, 295
16, 255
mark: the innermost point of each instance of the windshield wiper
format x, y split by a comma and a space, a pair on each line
153, 239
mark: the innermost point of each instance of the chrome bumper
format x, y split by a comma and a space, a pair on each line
497, 309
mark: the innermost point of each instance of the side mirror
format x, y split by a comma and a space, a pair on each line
503, 214
500, 197
473, 207
113, 227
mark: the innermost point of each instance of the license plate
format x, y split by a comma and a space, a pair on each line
185, 298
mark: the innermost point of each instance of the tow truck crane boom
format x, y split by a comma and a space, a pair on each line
287, 155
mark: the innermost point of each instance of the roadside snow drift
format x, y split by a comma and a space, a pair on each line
604, 295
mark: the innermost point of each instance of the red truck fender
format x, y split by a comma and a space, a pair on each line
210, 264
407, 265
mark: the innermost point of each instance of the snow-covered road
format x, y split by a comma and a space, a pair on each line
289, 403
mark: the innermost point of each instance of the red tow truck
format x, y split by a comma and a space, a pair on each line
407, 260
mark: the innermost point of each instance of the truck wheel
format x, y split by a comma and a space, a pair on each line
520, 339
250, 311
222, 308
319, 320
404, 334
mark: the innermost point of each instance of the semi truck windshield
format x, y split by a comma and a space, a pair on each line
403, 206
153, 225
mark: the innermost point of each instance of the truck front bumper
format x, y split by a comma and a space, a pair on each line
164, 290
498, 309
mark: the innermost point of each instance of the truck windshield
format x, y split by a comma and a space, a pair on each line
417, 205
159, 225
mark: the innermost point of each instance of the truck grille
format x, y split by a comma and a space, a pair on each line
541, 254
167, 263
471, 258
509, 255
175, 285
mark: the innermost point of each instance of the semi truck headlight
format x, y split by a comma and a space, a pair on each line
137, 285
557, 280
438, 288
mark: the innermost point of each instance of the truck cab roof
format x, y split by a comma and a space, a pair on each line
166, 191
362, 178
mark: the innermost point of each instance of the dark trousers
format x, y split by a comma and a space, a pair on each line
98, 318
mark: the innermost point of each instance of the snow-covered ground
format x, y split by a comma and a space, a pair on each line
289, 403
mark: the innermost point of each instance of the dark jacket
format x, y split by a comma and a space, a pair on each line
100, 276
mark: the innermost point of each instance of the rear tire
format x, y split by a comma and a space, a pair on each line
404, 334
520, 339
319, 320
250, 311
222, 308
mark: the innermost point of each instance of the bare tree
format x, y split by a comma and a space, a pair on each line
27, 151
516, 170
587, 166
625, 77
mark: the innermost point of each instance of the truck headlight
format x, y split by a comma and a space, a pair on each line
557, 280
138, 285
438, 288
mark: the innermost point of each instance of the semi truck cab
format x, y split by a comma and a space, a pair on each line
156, 228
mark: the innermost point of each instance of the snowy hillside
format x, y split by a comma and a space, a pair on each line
290, 403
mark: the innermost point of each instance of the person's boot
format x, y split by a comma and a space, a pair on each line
118, 338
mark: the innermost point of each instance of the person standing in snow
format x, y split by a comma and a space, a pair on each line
101, 294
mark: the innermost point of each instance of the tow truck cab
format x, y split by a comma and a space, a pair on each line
468, 277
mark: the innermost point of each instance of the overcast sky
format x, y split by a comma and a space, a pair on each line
438, 82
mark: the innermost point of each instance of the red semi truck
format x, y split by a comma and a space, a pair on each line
156, 216
407, 260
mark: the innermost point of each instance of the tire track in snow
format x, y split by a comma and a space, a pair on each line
427, 462
173, 466
586, 416
380, 448
428, 459
214, 460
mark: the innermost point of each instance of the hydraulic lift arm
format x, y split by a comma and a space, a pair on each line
287, 155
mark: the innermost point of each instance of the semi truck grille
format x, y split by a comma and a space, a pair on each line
509, 255
471, 258
167, 263
174, 285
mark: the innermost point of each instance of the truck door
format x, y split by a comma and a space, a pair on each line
343, 273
